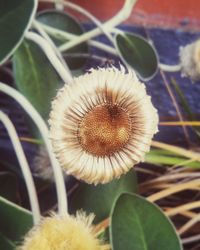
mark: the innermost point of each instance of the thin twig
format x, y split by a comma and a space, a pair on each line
191, 239
175, 105
185, 207
180, 123
174, 189
189, 224
170, 177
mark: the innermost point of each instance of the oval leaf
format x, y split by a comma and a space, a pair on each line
65, 22
136, 52
35, 77
15, 221
15, 18
137, 224
8, 186
6, 244
99, 199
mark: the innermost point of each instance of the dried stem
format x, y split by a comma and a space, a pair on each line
180, 123
178, 150
191, 239
174, 189
175, 104
189, 224
185, 207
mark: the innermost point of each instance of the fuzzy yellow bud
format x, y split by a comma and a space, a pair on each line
64, 233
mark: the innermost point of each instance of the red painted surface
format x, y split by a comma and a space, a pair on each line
162, 13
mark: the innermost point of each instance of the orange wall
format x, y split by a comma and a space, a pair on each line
149, 12
162, 13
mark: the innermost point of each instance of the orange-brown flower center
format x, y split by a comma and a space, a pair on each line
104, 130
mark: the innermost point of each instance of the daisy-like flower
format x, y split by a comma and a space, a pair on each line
64, 233
102, 124
190, 60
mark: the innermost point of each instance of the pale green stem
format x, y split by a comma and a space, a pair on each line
24, 166
164, 67
121, 16
47, 49
50, 41
170, 68
59, 179
90, 16
69, 36
86, 55
59, 5
117, 31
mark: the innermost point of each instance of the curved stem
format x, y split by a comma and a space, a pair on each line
69, 36
59, 180
59, 5
176, 106
90, 16
121, 16
24, 166
44, 45
49, 40
87, 55
117, 31
170, 68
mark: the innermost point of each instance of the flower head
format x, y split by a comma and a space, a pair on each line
102, 124
64, 233
190, 60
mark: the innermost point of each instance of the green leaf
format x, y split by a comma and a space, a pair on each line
35, 77
8, 186
15, 19
67, 23
163, 157
99, 199
15, 221
136, 52
137, 224
6, 244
